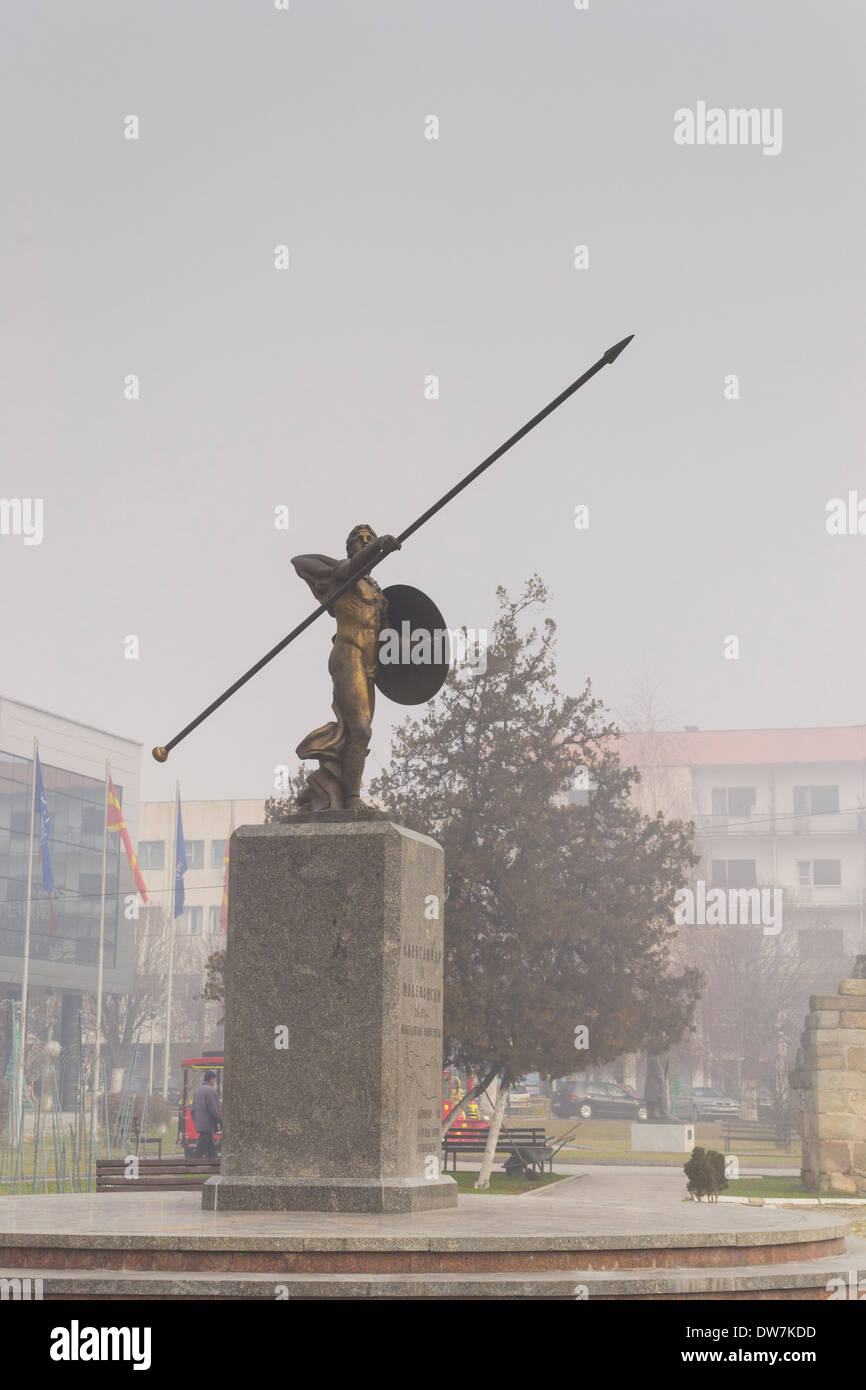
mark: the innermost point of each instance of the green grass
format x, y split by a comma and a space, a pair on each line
47, 1172
775, 1188
501, 1185
599, 1141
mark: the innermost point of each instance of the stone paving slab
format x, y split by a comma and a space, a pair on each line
616, 1208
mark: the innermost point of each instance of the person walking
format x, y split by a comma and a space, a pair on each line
206, 1115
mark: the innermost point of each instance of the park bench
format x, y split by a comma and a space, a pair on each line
136, 1144
759, 1132
527, 1147
154, 1174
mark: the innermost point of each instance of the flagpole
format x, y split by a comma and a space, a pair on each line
150, 1068
99, 966
172, 891
25, 973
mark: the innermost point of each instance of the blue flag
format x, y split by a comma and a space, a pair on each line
45, 829
180, 866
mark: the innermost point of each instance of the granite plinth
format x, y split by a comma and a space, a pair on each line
395, 1195
333, 1021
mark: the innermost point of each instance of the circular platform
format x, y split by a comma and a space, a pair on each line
617, 1234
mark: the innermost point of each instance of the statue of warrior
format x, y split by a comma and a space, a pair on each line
357, 664
341, 746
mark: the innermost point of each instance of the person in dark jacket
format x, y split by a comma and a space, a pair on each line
206, 1115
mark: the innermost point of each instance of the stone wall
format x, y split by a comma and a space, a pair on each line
830, 1077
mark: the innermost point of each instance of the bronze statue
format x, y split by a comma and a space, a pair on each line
341, 747
360, 610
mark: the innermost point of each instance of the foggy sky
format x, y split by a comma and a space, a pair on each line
409, 257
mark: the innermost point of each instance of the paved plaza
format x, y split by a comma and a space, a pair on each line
617, 1204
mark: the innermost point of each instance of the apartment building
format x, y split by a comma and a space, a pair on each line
781, 808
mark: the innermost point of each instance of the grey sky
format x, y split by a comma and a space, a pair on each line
412, 256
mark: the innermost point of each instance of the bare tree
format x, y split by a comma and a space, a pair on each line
756, 994
125, 1016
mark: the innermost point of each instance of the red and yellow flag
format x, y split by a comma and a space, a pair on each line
224, 905
116, 822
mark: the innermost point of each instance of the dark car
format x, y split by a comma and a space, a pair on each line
706, 1103
597, 1100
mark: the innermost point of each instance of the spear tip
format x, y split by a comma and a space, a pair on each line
613, 353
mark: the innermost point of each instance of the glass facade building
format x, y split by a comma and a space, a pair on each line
76, 807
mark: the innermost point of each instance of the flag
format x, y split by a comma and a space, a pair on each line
118, 824
180, 865
224, 905
44, 833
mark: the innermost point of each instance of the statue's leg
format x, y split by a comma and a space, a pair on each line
357, 711
324, 789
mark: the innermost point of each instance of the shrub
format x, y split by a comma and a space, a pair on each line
705, 1174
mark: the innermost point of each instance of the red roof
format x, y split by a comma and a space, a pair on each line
743, 747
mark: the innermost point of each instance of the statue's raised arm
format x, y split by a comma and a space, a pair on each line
324, 574
318, 571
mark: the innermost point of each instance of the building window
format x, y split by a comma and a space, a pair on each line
151, 854
76, 806
816, 801
189, 922
93, 820
213, 920
217, 853
826, 873
819, 873
734, 873
733, 801
195, 854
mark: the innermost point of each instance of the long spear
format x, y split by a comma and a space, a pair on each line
162, 752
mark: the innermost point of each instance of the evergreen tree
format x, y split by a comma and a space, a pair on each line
557, 915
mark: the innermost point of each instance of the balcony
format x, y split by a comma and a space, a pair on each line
835, 895
763, 822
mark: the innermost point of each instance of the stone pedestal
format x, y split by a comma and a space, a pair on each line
831, 1078
333, 1084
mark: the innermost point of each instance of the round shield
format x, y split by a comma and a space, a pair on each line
414, 647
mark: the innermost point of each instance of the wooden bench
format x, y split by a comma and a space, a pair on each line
140, 1146
154, 1174
757, 1131
529, 1146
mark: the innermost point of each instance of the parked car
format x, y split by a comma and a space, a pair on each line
597, 1100
705, 1103
519, 1097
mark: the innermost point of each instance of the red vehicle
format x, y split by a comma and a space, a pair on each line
194, 1069
470, 1120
